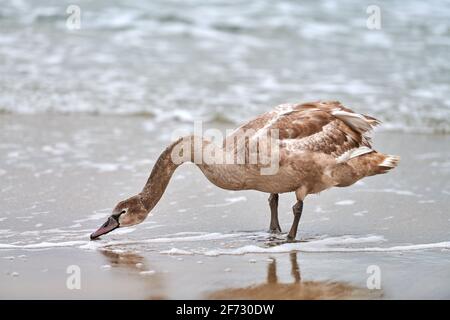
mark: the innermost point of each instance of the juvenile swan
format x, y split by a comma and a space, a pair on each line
318, 145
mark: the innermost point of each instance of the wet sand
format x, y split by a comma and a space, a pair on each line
61, 175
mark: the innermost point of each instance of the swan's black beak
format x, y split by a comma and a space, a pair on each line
107, 227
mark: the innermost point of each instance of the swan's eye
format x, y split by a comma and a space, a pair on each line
117, 215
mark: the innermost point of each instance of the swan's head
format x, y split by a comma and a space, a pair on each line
126, 213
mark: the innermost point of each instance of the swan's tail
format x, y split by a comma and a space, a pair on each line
364, 165
389, 162
375, 163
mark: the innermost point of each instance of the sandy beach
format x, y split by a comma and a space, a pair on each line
61, 176
92, 92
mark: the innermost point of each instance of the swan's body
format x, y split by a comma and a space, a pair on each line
319, 145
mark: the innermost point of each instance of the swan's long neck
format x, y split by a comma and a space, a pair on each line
165, 166
189, 149
159, 178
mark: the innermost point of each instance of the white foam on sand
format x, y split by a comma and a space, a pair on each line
125, 230
42, 245
176, 237
94, 245
393, 191
102, 167
229, 201
97, 215
332, 244
345, 202
147, 273
175, 251
346, 243
360, 213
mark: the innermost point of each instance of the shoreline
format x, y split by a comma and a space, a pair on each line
62, 175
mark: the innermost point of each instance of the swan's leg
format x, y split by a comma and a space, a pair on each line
273, 203
297, 210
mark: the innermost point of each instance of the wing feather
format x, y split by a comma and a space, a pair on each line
323, 127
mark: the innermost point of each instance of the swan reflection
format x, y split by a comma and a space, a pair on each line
272, 288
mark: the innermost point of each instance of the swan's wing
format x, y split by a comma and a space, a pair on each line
261, 122
325, 127
256, 128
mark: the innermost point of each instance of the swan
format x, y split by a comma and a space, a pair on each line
318, 145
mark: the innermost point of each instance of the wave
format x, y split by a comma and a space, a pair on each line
344, 244
314, 247
179, 61
332, 244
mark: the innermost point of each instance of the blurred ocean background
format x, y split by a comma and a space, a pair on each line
84, 114
227, 60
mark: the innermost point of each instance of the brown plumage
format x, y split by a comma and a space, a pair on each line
319, 145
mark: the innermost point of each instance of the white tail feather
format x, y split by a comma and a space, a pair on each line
354, 120
390, 161
353, 153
